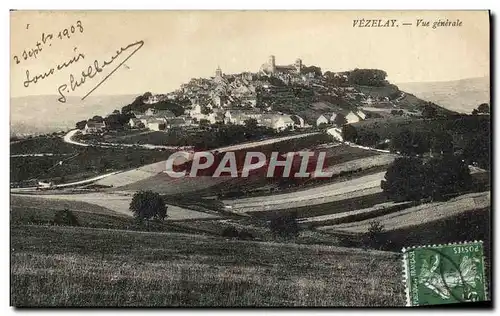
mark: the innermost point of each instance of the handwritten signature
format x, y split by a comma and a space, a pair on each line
94, 69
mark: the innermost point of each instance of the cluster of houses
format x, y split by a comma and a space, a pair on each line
348, 117
158, 120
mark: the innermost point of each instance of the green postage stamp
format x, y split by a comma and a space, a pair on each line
444, 274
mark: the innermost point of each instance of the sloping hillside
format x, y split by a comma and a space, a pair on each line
459, 95
67, 266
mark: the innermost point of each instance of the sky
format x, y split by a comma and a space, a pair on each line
180, 45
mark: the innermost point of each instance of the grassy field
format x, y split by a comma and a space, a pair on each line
42, 144
423, 213
60, 266
340, 206
87, 162
35, 211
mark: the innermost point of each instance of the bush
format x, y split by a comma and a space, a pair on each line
285, 226
410, 143
404, 179
230, 232
65, 217
246, 235
375, 236
148, 205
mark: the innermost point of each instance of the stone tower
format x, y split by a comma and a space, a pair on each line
298, 65
218, 72
272, 64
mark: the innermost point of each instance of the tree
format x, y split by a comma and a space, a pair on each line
349, 133
148, 205
429, 110
81, 124
251, 123
170, 105
404, 179
204, 122
442, 143
97, 119
477, 150
116, 112
284, 225
410, 143
312, 69
483, 108
340, 120
65, 217
368, 138
445, 176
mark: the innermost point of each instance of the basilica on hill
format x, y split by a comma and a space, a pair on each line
271, 68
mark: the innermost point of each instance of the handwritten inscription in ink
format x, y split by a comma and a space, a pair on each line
78, 78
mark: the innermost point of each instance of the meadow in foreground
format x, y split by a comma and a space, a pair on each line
69, 266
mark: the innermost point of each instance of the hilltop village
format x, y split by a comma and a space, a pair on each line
279, 97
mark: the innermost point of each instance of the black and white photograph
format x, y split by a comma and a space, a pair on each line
250, 158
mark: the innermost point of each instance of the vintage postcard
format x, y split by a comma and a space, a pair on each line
250, 158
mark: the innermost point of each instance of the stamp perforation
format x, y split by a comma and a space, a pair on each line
408, 280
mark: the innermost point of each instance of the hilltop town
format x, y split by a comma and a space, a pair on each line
278, 97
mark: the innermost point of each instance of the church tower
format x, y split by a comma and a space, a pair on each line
272, 64
218, 72
298, 65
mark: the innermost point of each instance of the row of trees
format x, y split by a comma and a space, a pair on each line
367, 77
177, 106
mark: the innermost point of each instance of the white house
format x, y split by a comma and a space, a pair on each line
156, 125
327, 118
352, 118
322, 119
147, 119
239, 117
94, 127
135, 123
278, 122
283, 122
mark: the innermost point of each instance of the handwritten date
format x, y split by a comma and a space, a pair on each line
46, 40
